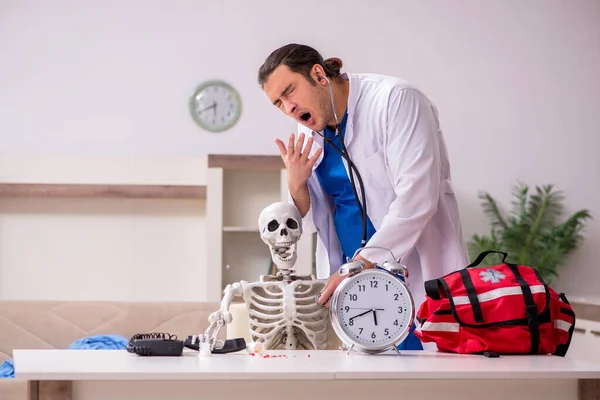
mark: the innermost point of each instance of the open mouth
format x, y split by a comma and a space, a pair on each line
284, 251
305, 116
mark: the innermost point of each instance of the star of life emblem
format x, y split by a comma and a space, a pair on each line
491, 275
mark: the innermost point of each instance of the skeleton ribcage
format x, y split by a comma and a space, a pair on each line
274, 307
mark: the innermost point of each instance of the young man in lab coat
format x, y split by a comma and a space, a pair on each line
392, 135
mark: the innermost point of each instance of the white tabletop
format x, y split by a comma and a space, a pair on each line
438, 365
304, 365
121, 365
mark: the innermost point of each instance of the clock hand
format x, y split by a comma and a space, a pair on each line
361, 314
208, 108
375, 317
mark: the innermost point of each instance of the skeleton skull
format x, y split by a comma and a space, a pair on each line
280, 226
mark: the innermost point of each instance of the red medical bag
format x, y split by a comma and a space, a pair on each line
504, 309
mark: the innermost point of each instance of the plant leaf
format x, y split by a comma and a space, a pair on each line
531, 233
491, 209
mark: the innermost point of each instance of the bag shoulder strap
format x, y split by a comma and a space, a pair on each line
531, 309
472, 295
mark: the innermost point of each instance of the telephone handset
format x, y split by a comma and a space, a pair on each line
158, 344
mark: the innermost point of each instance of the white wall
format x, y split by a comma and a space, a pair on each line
516, 82
103, 249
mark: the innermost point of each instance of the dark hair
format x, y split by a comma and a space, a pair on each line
298, 58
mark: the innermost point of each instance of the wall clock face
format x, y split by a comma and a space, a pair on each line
215, 106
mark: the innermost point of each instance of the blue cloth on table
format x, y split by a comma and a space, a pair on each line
100, 342
7, 369
335, 181
411, 342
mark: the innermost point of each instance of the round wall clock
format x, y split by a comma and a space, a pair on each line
215, 106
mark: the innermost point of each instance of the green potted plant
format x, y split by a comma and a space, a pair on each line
532, 233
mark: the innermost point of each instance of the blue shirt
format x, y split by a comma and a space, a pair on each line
335, 181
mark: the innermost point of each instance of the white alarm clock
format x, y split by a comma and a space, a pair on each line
372, 309
215, 106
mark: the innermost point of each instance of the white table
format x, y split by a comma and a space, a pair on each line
117, 375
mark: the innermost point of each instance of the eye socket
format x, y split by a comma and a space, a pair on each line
273, 225
292, 224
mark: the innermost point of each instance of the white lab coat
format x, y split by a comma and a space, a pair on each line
394, 138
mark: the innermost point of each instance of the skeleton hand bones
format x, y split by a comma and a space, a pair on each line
220, 317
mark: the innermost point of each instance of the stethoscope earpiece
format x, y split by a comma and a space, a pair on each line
320, 78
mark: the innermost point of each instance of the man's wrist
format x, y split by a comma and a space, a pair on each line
296, 189
368, 264
301, 198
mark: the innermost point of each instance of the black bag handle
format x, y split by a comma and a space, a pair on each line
484, 254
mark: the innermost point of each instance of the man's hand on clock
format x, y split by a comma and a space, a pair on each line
332, 284
335, 280
368, 263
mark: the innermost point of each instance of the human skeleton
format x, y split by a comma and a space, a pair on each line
283, 309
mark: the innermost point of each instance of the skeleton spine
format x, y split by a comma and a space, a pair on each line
287, 275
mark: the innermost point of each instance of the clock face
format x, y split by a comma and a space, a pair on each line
215, 106
374, 309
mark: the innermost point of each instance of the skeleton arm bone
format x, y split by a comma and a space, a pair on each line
231, 291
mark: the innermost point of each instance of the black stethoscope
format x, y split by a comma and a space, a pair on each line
344, 153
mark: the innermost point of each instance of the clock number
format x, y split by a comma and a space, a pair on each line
360, 330
396, 322
361, 288
351, 322
347, 308
374, 284
386, 287
353, 297
395, 296
373, 335
400, 310
386, 332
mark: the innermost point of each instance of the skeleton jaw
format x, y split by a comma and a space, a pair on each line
284, 251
